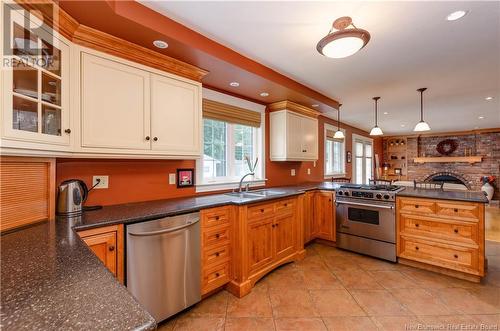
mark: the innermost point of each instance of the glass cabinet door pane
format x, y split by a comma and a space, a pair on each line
51, 120
51, 58
25, 79
51, 89
24, 42
25, 114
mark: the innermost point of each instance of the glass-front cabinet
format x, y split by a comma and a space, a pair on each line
35, 68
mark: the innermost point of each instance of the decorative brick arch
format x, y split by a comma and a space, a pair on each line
462, 179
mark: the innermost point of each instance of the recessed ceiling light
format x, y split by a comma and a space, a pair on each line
488, 98
386, 113
403, 125
234, 84
476, 127
264, 94
160, 44
456, 15
481, 117
315, 105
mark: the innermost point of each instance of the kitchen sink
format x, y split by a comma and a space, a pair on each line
255, 194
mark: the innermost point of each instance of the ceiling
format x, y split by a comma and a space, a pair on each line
412, 45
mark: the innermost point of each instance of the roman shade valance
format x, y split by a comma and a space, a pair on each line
330, 136
223, 112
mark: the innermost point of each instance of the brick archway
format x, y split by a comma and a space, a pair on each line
452, 178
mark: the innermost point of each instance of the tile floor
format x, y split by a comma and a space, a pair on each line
332, 289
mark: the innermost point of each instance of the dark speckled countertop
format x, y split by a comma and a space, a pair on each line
51, 280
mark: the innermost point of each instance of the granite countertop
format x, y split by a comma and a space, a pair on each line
468, 196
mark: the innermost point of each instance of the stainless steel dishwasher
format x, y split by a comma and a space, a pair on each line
163, 264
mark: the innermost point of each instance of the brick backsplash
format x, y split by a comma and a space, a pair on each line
483, 144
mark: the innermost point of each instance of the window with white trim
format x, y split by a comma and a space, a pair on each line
363, 159
334, 153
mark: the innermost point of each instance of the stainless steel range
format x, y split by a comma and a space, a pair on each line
366, 219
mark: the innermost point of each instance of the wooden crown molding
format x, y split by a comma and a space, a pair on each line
445, 134
292, 106
86, 36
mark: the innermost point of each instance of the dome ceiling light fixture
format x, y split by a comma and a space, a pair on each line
422, 125
338, 134
344, 42
376, 131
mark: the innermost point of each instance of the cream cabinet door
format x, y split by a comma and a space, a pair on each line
115, 109
175, 116
294, 136
309, 130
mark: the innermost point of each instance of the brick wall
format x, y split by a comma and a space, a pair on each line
484, 144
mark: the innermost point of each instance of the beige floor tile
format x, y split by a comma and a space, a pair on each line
249, 324
287, 277
311, 262
255, 304
340, 263
372, 264
492, 278
467, 302
213, 306
357, 280
396, 323
343, 323
392, 279
199, 324
335, 303
428, 279
492, 248
291, 303
300, 324
488, 320
379, 303
421, 302
316, 278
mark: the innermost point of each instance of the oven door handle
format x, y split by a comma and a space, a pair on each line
364, 205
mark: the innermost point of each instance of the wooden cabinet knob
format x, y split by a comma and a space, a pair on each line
68, 131
155, 138
217, 254
416, 206
286, 204
273, 225
455, 210
456, 230
417, 225
217, 236
216, 218
455, 256
111, 248
147, 138
262, 210
217, 274
416, 248
329, 200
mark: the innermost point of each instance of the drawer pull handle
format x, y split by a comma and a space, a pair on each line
417, 225
456, 230
286, 204
111, 248
455, 210
216, 218
217, 254
416, 206
217, 236
217, 274
416, 248
262, 210
455, 256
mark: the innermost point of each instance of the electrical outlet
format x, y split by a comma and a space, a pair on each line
308, 171
103, 183
171, 179
292, 172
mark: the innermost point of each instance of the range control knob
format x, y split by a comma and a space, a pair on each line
386, 196
346, 193
378, 196
340, 193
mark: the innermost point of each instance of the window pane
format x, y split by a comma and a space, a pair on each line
214, 148
337, 157
368, 150
51, 89
243, 147
359, 170
359, 149
25, 79
329, 157
51, 120
25, 114
368, 166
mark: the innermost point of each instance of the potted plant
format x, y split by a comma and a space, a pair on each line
488, 186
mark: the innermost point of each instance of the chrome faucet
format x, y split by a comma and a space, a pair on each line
251, 173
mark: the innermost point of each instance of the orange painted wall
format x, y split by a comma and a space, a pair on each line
142, 180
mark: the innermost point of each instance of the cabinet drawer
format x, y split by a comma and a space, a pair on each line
260, 211
459, 210
442, 255
455, 231
416, 206
215, 236
285, 206
216, 216
215, 277
215, 255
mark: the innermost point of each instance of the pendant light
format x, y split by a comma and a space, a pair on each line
376, 131
422, 125
338, 134
343, 42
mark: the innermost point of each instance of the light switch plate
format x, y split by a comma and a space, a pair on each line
171, 179
104, 183
292, 172
308, 171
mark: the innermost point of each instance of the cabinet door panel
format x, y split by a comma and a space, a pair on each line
115, 105
324, 222
294, 136
309, 137
284, 235
104, 247
175, 116
260, 244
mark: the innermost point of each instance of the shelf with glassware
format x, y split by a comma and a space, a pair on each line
35, 85
395, 158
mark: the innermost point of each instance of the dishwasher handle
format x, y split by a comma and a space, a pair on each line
168, 230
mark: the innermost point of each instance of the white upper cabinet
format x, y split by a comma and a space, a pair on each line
35, 85
294, 137
115, 108
175, 116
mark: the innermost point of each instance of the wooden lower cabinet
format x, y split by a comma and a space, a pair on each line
324, 215
264, 242
441, 235
107, 244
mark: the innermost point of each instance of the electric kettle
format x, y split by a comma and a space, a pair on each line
71, 196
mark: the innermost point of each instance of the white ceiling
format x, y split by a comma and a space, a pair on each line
412, 45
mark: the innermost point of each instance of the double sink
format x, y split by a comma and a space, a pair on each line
257, 194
